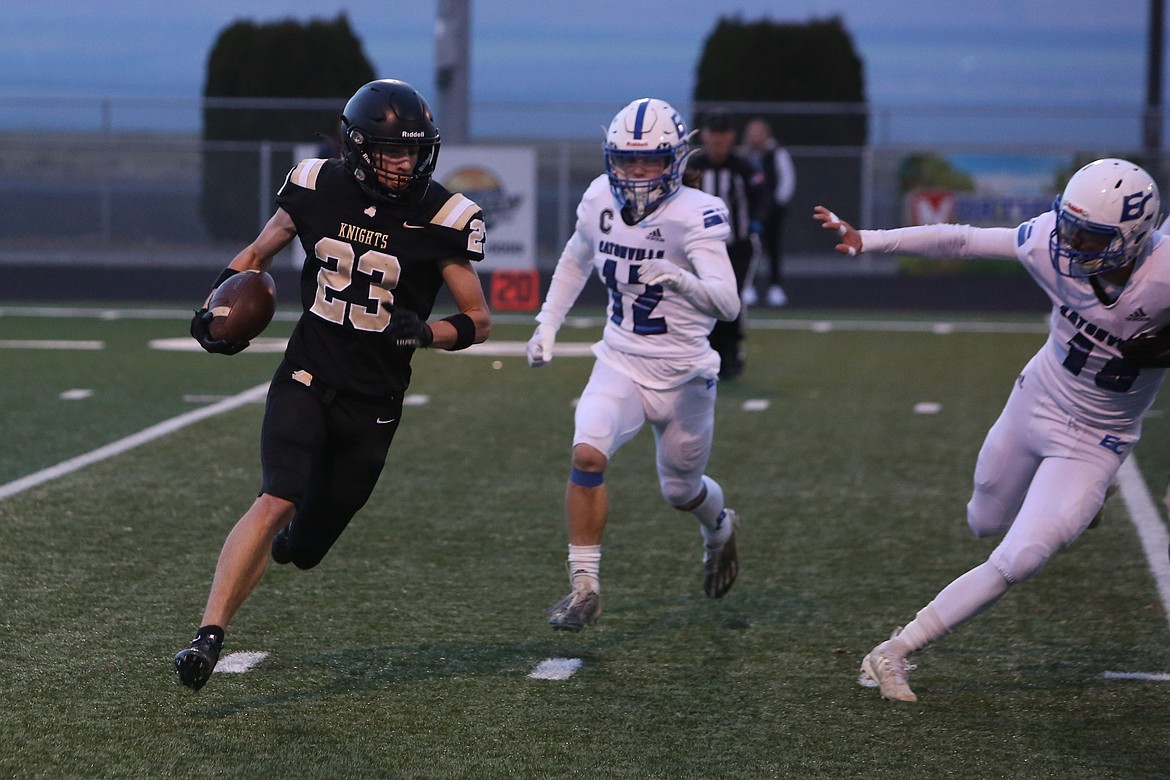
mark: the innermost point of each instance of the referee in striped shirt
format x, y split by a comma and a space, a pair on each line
718, 170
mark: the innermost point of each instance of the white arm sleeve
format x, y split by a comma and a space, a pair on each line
568, 280
943, 241
716, 294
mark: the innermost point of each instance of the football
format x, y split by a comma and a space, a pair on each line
242, 307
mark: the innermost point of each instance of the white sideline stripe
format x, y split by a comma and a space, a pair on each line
258, 346
1144, 514
556, 669
78, 312
50, 344
756, 405
763, 323
942, 328
927, 407
1152, 676
517, 349
130, 442
238, 663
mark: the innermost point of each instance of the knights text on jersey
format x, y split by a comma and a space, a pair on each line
361, 257
649, 321
1081, 365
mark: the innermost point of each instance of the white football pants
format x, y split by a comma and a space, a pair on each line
613, 408
1040, 478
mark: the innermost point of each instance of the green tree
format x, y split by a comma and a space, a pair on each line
932, 170
768, 62
285, 59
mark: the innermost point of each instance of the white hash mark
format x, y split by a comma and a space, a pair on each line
556, 669
238, 663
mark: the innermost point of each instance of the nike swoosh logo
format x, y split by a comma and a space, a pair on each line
413, 227
380, 421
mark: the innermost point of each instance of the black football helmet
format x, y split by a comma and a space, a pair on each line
389, 113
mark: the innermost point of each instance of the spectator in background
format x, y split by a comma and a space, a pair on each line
773, 160
717, 169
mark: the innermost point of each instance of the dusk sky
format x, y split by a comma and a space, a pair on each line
1076, 54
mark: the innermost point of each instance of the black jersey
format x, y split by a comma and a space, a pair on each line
359, 255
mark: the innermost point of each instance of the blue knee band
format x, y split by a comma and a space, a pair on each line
587, 479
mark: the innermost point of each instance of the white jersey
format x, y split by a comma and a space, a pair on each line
653, 335
1080, 366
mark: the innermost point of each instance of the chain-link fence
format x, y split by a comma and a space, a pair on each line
104, 194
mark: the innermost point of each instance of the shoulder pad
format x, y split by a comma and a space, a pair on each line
456, 212
305, 173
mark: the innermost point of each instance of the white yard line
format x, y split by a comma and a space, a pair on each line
51, 344
1147, 518
130, 442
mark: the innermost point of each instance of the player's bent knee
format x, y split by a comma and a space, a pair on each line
1020, 564
305, 560
986, 518
274, 511
681, 494
588, 458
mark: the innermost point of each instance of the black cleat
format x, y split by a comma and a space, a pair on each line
721, 564
280, 552
195, 664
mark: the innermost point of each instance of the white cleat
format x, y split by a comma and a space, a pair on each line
886, 668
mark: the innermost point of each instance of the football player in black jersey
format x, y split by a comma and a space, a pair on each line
380, 239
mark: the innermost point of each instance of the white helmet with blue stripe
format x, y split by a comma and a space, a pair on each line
1105, 218
646, 149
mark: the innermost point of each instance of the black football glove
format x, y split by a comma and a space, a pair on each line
200, 331
1149, 351
408, 331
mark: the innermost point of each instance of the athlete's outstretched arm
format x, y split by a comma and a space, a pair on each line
942, 241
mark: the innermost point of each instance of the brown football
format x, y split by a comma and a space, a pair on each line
242, 306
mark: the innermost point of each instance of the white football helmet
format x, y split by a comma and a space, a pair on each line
646, 149
1104, 219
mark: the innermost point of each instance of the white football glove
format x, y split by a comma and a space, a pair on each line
660, 271
540, 346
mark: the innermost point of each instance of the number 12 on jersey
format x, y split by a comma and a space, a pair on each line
626, 307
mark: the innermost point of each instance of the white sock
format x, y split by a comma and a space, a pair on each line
711, 515
585, 567
922, 630
962, 600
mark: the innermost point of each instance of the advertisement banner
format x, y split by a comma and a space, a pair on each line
502, 180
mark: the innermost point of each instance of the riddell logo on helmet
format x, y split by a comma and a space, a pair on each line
1074, 208
413, 133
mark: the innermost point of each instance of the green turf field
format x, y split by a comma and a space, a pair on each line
407, 652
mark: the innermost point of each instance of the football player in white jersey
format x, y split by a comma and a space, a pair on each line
660, 249
1075, 412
